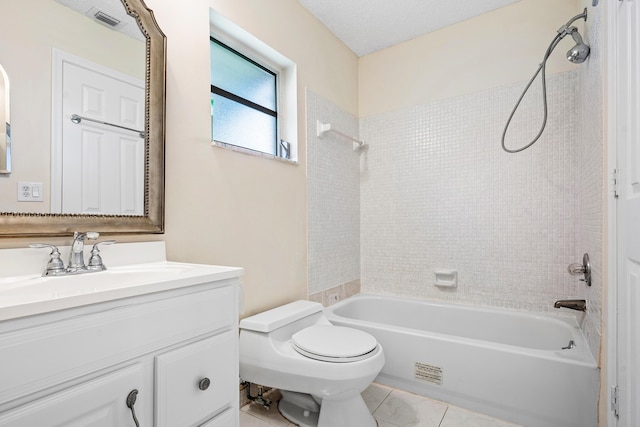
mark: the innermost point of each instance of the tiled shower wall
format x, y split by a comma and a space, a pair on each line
334, 203
438, 192
590, 174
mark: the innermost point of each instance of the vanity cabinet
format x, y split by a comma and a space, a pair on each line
193, 379
178, 348
98, 402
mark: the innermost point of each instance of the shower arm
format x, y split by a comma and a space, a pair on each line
583, 15
567, 29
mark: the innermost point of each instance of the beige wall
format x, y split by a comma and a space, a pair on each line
498, 48
229, 208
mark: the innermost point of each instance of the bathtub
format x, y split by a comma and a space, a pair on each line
502, 363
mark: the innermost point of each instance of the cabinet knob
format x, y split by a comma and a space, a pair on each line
204, 384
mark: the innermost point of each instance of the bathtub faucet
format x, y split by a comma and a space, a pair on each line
573, 304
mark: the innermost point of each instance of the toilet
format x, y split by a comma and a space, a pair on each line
321, 369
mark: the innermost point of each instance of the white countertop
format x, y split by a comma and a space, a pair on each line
132, 269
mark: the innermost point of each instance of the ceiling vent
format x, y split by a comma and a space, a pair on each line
106, 19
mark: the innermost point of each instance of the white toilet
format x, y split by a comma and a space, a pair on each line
320, 369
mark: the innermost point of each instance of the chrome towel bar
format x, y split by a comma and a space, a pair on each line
75, 118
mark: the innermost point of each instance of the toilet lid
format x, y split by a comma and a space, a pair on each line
334, 343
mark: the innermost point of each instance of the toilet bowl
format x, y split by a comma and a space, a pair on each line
320, 368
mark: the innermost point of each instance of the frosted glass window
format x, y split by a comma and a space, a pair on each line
243, 101
229, 121
235, 73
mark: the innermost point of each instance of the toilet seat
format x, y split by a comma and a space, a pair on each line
329, 343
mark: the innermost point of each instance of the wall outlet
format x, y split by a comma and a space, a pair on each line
30, 191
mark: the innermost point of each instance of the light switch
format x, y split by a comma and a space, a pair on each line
30, 192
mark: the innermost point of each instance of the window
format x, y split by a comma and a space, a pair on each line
253, 99
243, 101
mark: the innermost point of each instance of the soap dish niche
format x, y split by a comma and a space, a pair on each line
446, 278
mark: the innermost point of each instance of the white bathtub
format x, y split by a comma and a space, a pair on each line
506, 364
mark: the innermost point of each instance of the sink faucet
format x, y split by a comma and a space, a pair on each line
573, 304
55, 266
76, 257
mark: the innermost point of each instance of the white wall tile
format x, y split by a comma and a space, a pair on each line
334, 198
439, 192
590, 189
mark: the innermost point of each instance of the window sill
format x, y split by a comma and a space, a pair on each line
249, 152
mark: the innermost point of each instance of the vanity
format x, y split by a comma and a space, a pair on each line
146, 342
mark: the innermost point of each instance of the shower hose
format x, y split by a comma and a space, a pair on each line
542, 67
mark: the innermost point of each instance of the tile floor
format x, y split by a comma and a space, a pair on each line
391, 408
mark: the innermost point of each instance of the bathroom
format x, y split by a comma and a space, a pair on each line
509, 224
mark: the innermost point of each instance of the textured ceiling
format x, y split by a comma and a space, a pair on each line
113, 8
370, 25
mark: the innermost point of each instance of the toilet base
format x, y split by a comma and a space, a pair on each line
296, 414
351, 412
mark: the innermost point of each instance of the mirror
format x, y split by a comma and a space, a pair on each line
5, 123
36, 51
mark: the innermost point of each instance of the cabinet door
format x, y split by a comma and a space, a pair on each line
184, 397
100, 402
228, 418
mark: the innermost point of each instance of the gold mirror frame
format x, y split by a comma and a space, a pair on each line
33, 224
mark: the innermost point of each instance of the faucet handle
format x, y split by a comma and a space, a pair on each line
582, 269
91, 235
55, 265
95, 261
576, 269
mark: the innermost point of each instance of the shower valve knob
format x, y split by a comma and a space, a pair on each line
582, 269
576, 269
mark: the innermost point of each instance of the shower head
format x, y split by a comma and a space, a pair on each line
579, 53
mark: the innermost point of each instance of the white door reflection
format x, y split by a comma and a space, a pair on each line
103, 154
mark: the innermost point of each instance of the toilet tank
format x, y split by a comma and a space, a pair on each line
270, 320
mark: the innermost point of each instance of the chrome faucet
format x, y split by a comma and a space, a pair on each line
76, 257
573, 304
55, 266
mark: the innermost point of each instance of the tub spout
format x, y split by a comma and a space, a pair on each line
573, 304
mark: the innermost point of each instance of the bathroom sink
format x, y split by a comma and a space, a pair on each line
23, 295
114, 277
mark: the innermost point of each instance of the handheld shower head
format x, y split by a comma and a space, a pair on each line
579, 53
